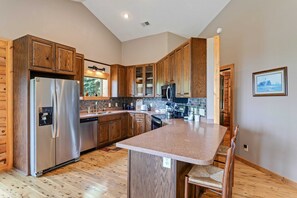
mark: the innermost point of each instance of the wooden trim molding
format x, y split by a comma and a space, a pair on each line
217, 79
268, 172
231, 69
6, 139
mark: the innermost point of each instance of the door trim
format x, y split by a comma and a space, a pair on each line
231, 68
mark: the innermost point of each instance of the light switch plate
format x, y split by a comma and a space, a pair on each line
166, 162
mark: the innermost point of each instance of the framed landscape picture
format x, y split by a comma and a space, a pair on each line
272, 82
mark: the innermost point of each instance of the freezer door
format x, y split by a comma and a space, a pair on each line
42, 128
67, 137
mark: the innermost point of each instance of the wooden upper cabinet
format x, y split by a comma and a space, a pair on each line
166, 70
190, 69
149, 80
171, 67
65, 59
118, 81
48, 56
139, 80
130, 81
178, 71
79, 74
159, 77
41, 54
186, 70
122, 81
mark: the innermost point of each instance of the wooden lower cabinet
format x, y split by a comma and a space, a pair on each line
112, 128
136, 123
130, 124
103, 133
115, 128
139, 126
148, 123
124, 123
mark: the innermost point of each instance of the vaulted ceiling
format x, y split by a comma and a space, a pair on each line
186, 18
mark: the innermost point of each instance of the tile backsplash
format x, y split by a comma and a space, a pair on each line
156, 103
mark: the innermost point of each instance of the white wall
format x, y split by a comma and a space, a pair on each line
149, 49
174, 41
61, 21
259, 35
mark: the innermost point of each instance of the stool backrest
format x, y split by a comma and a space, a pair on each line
236, 132
227, 178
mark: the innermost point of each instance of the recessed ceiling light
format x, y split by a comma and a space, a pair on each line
126, 16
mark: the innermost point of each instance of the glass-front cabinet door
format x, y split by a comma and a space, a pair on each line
139, 80
149, 80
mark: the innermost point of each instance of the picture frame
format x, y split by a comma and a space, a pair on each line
273, 82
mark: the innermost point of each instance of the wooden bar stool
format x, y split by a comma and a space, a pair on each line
213, 178
222, 151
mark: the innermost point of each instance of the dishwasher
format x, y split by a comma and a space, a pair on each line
88, 133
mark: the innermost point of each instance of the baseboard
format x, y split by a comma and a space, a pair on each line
266, 171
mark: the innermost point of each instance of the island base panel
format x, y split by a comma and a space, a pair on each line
147, 178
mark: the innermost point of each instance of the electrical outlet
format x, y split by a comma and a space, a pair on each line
246, 147
202, 112
166, 162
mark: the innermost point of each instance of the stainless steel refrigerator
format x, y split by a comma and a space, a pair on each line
54, 125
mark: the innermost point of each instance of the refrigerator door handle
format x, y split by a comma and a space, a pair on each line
54, 117
56, 109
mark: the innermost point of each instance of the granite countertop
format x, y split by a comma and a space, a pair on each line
112, 112
186, 141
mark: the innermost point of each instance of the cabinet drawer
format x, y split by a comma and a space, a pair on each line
107, 118
139, 116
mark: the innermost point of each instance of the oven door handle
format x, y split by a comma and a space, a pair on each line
167, 93
157, 121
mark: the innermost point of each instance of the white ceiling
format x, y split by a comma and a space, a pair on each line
187, 18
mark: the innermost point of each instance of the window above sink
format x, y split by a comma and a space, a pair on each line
96, 81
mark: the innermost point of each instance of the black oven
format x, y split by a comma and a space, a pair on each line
168, 92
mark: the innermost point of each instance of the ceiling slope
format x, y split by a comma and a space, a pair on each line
187, 18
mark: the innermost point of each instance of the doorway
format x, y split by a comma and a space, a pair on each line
226, 100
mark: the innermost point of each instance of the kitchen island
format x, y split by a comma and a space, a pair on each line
159, 160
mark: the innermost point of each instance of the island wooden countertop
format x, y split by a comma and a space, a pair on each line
191, 142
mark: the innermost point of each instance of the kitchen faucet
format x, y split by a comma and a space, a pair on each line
96, 106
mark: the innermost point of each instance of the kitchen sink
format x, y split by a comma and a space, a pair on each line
103, 112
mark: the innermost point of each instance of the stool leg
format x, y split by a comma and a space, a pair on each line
186, 187
233, 166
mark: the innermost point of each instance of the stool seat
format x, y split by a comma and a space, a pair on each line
223, 150
209, 176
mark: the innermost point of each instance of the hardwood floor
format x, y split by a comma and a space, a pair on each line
103, 173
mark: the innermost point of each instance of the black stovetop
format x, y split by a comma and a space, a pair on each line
159, 116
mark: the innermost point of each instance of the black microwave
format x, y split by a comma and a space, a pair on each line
168, 92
